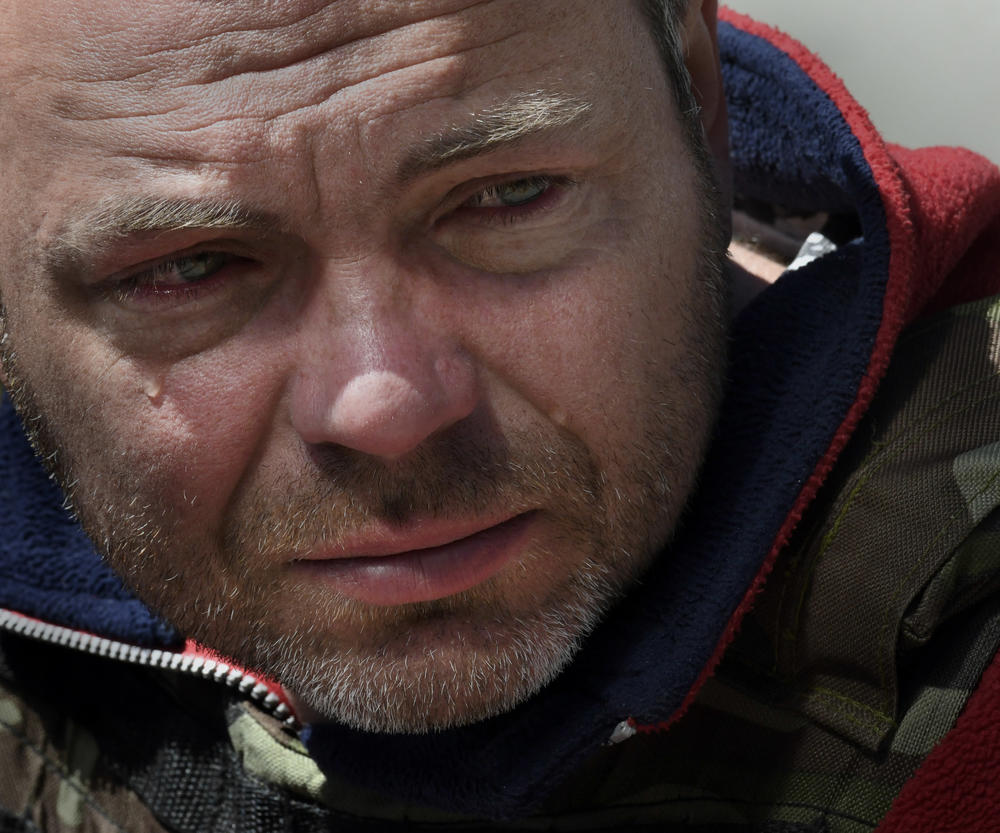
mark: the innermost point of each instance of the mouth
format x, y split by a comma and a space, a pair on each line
423, 564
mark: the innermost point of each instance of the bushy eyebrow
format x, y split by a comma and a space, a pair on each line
502, 125
115, 219
505, 124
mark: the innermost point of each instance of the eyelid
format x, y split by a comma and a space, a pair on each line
132, 257
166, 265
542, 183
559, 185
134, 284
136, 266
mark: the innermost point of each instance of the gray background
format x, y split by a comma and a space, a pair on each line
927, 71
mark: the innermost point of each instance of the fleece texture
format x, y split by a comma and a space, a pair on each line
807, 356
48, 567
957, 790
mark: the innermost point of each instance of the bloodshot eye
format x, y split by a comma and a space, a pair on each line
175, 277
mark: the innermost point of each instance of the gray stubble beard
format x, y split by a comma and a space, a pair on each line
396, 686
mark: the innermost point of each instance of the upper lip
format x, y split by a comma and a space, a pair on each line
383, 539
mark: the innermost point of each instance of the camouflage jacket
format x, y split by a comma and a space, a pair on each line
816, 652
859, 658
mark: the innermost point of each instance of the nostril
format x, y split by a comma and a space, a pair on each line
386, 413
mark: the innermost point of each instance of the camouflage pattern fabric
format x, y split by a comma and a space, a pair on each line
872, 632
51, 779
878, 620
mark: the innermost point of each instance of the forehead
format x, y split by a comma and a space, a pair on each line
186, 78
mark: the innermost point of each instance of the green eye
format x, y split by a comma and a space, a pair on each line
191, 268
522, 191
177, 278
512, 194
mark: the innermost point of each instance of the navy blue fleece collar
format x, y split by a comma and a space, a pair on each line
48, 567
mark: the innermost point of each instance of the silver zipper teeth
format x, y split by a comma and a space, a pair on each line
219, 672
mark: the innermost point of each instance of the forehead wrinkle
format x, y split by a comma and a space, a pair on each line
338, 88
248, 136
232, 48
302, 49
228, 53
296, 88
502, 125
239, 119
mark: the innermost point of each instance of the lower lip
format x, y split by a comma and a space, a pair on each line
427, 574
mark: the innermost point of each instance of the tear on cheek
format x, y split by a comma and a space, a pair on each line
152, 386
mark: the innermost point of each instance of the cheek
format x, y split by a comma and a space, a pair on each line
207, 424
179, 438
596, 348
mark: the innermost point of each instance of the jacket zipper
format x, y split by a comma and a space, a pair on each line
185, 662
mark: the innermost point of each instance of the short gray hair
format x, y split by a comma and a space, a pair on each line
665, 17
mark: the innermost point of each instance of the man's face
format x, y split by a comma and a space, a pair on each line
378, 340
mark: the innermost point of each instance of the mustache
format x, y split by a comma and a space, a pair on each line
338, 491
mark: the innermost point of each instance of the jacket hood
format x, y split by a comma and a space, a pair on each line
806, 358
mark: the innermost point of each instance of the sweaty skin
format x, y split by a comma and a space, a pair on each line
378, 342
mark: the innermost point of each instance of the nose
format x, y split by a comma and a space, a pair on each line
380, 385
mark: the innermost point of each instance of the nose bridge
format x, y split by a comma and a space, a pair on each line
373, 374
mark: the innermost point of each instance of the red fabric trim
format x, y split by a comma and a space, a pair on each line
195, 649
901, 237
910, 284
959, 225
957, 788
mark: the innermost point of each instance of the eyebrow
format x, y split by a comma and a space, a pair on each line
503, 125
116, 219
